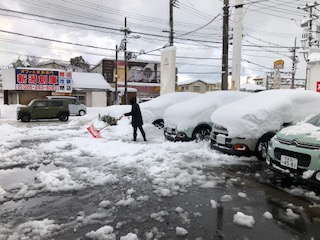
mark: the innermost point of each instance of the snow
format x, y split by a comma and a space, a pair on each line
267, 215
243, 220
168, 166
199, 109
302, 128
181, 231
151, 110
266, 111
89, 81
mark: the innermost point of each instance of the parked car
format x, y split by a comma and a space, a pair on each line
295, 151
75, 107
245, 127
44, 109
153, 110
190, 119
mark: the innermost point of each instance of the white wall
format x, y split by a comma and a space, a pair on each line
99, 99
8, 79
313, 76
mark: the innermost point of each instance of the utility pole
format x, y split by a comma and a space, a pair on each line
126, 32
294, 61
172, 3
225, 46
116, 79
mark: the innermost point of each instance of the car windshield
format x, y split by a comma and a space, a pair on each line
30, 103
315, 120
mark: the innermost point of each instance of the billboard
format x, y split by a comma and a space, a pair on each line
141, 72
43, 80
37, 79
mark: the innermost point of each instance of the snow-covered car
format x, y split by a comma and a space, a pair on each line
190, 119
295, 151
153, 110
245, 127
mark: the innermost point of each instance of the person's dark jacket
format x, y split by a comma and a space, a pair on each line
135, 113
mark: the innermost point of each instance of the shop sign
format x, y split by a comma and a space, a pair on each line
36, 79
65, 82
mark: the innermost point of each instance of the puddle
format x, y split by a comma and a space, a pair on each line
12, 177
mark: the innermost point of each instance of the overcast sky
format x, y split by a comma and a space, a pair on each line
64, 29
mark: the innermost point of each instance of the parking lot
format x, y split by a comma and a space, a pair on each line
58, 182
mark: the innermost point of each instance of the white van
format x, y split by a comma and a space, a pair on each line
75, 107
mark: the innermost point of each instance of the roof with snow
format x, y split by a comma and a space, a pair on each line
197, 80
90, 81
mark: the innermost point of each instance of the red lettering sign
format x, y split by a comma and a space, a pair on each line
32, 78
22, 78
43, 79
53, 79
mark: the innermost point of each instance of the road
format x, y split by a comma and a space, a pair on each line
247, 188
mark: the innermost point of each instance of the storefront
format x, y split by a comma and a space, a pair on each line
21, 85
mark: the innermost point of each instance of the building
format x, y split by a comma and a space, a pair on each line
285, 82
144, 76
199, 86
21, 85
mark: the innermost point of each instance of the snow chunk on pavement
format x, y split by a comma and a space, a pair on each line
214, 204
57, 180
105, 204
3, 194
103, 233
226, 198
268, 215
35, 230
181, 231
130, 236
291, 214
242, 194
159, 216
243, 220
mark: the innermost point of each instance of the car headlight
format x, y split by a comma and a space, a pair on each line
181, 135
318, 176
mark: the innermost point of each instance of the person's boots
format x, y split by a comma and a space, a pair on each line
144, 137
134, 137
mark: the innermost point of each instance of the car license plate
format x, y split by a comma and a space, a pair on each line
289, 161
221, 139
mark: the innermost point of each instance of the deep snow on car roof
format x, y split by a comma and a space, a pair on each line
153, 109
266, 111
199, 109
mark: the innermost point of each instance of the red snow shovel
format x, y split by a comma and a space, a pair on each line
94, 132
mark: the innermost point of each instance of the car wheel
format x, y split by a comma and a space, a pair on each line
159, 123
82, 112
202, 133
262, 146
25, 118
64, 117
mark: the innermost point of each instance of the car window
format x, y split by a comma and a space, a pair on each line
41, 104
57, 103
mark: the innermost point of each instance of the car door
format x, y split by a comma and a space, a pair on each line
73, 107
40, 110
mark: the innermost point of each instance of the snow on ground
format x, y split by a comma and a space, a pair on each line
82, 161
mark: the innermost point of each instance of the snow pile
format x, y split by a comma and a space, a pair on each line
35, 230
103, 233
292, 214
243, 220
266, 111
199, 108
57, 180
267, 215
181, 231
214, 204
303, 128
130, 236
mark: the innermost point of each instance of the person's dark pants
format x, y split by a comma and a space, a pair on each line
135, 133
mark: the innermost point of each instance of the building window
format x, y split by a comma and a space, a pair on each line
207, 88
182, 88
196, 88
187, 88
